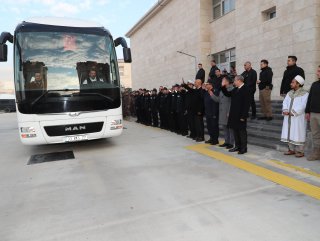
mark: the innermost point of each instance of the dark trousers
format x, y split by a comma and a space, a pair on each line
240, 138
183, 126
190, 119
213, 128
199, 126
253, 103
155, 119
161, 115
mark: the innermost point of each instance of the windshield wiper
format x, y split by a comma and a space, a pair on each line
44, 94
98, 94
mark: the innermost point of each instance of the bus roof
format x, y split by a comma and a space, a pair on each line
66, 22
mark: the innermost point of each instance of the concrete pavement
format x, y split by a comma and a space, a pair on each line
147, 186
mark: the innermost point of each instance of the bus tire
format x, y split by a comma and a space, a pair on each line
7, 110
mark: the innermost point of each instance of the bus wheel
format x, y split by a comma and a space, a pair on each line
7, 110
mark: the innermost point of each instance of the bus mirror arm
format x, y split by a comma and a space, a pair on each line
126, 51
121, 41
6, 36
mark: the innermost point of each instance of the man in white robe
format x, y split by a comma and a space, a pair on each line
294, 122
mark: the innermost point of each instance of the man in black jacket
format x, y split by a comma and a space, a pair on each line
289, 74
212, 73
313, 115
188, 105
250, 80
265, 88
201, 74
197, 109
212, 114
238, 114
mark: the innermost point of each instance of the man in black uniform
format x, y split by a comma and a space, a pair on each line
188, 104
250, 80
289, 74
212, 113
181, 112
154, 108
197, 109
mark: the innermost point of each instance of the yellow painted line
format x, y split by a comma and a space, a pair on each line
286, 181
299, 169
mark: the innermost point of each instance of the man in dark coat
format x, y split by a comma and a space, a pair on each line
212, 114
250, 80
181, 112
197, 109
289, 74
265, 88
238, 114
154, 108
212, 73
188, 104
201, 74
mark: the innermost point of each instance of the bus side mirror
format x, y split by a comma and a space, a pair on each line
3, 53
127, 55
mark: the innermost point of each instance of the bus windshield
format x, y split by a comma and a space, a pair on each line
57, 72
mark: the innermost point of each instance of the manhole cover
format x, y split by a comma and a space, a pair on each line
51, 157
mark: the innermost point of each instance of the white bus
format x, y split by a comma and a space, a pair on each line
66, 79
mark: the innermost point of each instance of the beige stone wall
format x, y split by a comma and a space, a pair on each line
295, 31
126, 76
154, 47
187, 25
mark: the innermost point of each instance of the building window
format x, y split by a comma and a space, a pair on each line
269, 14
222, 7
225, 60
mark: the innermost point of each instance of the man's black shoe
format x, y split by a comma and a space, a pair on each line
253, 117
229, 146
234, 149
241, 152
214, 143
208, 141
262, 118
224, 145
269, 119
199, 139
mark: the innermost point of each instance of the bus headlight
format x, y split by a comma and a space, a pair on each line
116, 124
28, 132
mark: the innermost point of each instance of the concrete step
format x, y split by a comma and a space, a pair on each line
276, 145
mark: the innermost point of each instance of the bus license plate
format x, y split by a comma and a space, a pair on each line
76, 138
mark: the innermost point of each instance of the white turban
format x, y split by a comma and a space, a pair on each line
190, 82
299, 79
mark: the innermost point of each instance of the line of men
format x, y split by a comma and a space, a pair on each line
182, 110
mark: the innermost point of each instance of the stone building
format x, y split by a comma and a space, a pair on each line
125, 73
174, 35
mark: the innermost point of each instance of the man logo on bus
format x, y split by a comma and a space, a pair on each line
75, 128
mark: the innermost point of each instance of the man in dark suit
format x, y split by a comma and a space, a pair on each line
197, 109
212, 73
201, 74
250, 80
289, 74
238, 114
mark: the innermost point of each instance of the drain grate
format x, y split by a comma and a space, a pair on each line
51, 157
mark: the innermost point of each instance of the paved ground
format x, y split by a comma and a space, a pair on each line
147, 186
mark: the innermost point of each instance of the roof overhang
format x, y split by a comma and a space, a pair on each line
149, 15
